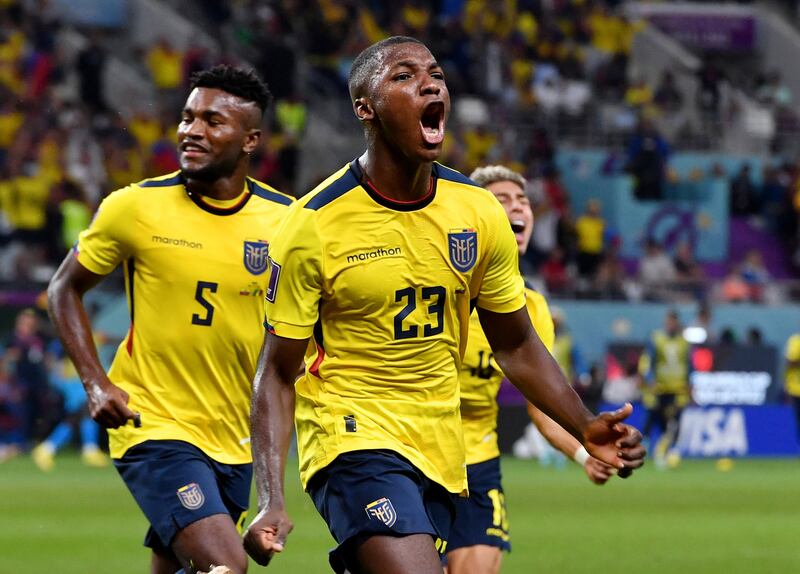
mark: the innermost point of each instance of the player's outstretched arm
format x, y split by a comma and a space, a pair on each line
271, 422
527, 364
597, 471
108, 404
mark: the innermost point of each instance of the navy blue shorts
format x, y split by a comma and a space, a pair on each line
378, 492
481, 518
176, 484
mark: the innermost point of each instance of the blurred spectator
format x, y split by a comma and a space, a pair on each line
25, 363
667, 96
165, 65
774, 200
754, 274
772, 91
734, 289
688, 272
701, 330
647, 160
754, 337
656, 270
610, 279
743, 195
75, 214
590, 228
708, 95
545, 217
638, 95
555, 273
91, 67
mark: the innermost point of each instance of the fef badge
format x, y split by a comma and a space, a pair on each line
463, 247
191, 496
383, 510
256, 256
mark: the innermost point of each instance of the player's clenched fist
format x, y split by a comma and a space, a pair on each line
266, 535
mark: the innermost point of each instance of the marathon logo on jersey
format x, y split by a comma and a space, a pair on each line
463, 246
256, 256
383, 510
191, 496
274, 277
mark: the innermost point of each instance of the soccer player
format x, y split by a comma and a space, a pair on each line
379, 268
193, 246
480, 531
665, 368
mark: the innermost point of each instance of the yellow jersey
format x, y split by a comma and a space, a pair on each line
195, 276
480, 380
793, 373
384, 289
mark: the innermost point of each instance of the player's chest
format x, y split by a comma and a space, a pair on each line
234, 250
378, 256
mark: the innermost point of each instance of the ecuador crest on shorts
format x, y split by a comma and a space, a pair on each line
463, 247
383, 510
191, 496
256, 256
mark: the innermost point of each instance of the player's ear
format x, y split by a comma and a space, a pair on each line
251, 140
363, 109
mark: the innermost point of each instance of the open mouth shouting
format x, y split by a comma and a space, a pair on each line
432, 123
519, 226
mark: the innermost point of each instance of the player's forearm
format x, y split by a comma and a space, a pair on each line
66, 310
271, 422
538, 377
553, 432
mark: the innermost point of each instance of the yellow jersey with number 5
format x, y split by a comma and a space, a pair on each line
195, 276
385, 289
480, 380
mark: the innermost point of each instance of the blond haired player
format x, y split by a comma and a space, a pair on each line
480, 532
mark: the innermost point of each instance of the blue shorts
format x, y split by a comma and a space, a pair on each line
378, 492
481, 518
176, 484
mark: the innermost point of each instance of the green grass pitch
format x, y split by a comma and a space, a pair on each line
694, 519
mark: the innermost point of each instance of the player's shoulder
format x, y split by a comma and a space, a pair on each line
265, 192
794, 341
454, 177
331, 190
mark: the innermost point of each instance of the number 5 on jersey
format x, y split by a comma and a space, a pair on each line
204, 319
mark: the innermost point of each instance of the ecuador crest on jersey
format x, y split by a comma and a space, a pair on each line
256, 256
463, 248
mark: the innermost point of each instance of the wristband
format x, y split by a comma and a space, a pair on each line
581, 456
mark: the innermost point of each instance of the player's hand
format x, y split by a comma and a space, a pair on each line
611, 441
266, 535
108, 405
598, 471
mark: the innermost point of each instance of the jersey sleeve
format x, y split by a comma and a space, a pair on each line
541, 318
295, 282
109, 238
502, 287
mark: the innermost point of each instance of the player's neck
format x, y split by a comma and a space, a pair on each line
223, 188
396, 179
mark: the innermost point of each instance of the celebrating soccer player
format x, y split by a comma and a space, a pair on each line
380, 266
480, 531
193, 245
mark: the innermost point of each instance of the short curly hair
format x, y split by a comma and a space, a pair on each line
487, 175
363, 67
240, 82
